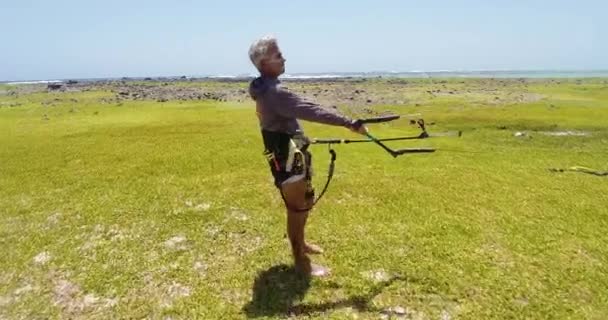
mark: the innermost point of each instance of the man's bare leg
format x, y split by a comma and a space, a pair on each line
294, 194
311, 248
296, 221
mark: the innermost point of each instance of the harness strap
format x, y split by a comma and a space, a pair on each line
330, 174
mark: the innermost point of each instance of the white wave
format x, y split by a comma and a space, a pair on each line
34, 82
316, 76
223, 76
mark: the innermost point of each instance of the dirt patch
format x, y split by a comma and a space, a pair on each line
42, 258
399, 312
238, 214
379, 275
157, 292
53, 219
173, 292
565, 133
73, 301
177, 243
203, 206
9, 104
200, 267
101, 235
5, 301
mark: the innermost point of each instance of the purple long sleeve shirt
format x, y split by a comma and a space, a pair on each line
278, 109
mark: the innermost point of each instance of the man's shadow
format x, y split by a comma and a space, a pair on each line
277, 291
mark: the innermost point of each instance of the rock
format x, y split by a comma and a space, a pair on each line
398, 310
54, 86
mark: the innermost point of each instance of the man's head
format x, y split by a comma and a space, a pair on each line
267, 57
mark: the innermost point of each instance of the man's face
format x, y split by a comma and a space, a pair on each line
274, 63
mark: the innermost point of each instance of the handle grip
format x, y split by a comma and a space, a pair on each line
378, 119
412, 150
327, 140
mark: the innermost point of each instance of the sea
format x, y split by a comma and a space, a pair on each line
505, 74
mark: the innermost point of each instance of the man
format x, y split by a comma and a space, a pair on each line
286, 146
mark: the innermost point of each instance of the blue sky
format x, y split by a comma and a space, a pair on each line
81, 39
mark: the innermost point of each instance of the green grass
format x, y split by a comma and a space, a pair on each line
480, 229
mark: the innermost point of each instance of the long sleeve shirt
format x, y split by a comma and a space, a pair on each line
279, 109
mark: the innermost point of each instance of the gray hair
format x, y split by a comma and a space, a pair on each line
259, 48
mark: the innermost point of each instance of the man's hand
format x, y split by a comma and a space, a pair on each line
360, 130
358, 127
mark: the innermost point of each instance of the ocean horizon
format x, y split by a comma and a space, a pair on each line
532, 74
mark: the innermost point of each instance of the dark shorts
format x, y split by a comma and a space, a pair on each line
300, 166
278, 147
299, 173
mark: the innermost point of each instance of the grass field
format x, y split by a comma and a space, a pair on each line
167, 211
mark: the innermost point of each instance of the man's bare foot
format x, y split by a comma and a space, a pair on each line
310, 248
319, 271
305, 267
313, 270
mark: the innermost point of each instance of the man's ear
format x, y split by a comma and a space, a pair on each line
263, 64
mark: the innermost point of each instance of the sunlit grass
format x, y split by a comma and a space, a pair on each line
167, 209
